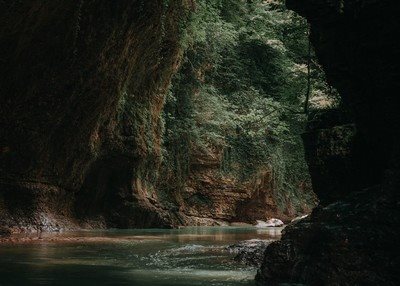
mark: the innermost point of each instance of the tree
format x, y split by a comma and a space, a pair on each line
245, 80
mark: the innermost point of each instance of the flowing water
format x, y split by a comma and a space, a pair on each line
182, 257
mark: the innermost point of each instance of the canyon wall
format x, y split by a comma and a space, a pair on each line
68, 69
353, 154
210, 196
83, 85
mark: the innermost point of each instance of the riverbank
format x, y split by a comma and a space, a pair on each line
100, 235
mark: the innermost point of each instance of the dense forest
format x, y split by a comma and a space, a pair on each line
248, 80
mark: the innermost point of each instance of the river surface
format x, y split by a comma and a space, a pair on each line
181, 257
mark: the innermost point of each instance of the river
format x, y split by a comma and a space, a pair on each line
192, 256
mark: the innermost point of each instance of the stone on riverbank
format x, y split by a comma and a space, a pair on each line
273, 222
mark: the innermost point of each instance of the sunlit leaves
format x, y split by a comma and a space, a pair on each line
241, 80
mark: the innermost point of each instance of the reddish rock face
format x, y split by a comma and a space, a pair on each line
351, 238
211, 197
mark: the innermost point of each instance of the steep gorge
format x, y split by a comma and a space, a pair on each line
82, 92
82, 89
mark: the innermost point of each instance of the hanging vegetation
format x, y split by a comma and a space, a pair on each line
240, 95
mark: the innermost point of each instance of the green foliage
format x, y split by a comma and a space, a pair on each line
240, 89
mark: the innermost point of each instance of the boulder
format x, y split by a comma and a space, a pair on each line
250, 252
273, 222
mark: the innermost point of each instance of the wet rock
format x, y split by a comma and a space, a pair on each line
336, 245
250, 252
273, 222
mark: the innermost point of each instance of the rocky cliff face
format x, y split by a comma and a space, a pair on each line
352, 237
83, 86
68, 68
212, 197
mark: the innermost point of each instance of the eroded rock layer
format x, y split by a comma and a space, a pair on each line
212, 197
352, 237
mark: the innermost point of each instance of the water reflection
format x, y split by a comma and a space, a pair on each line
188, 256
